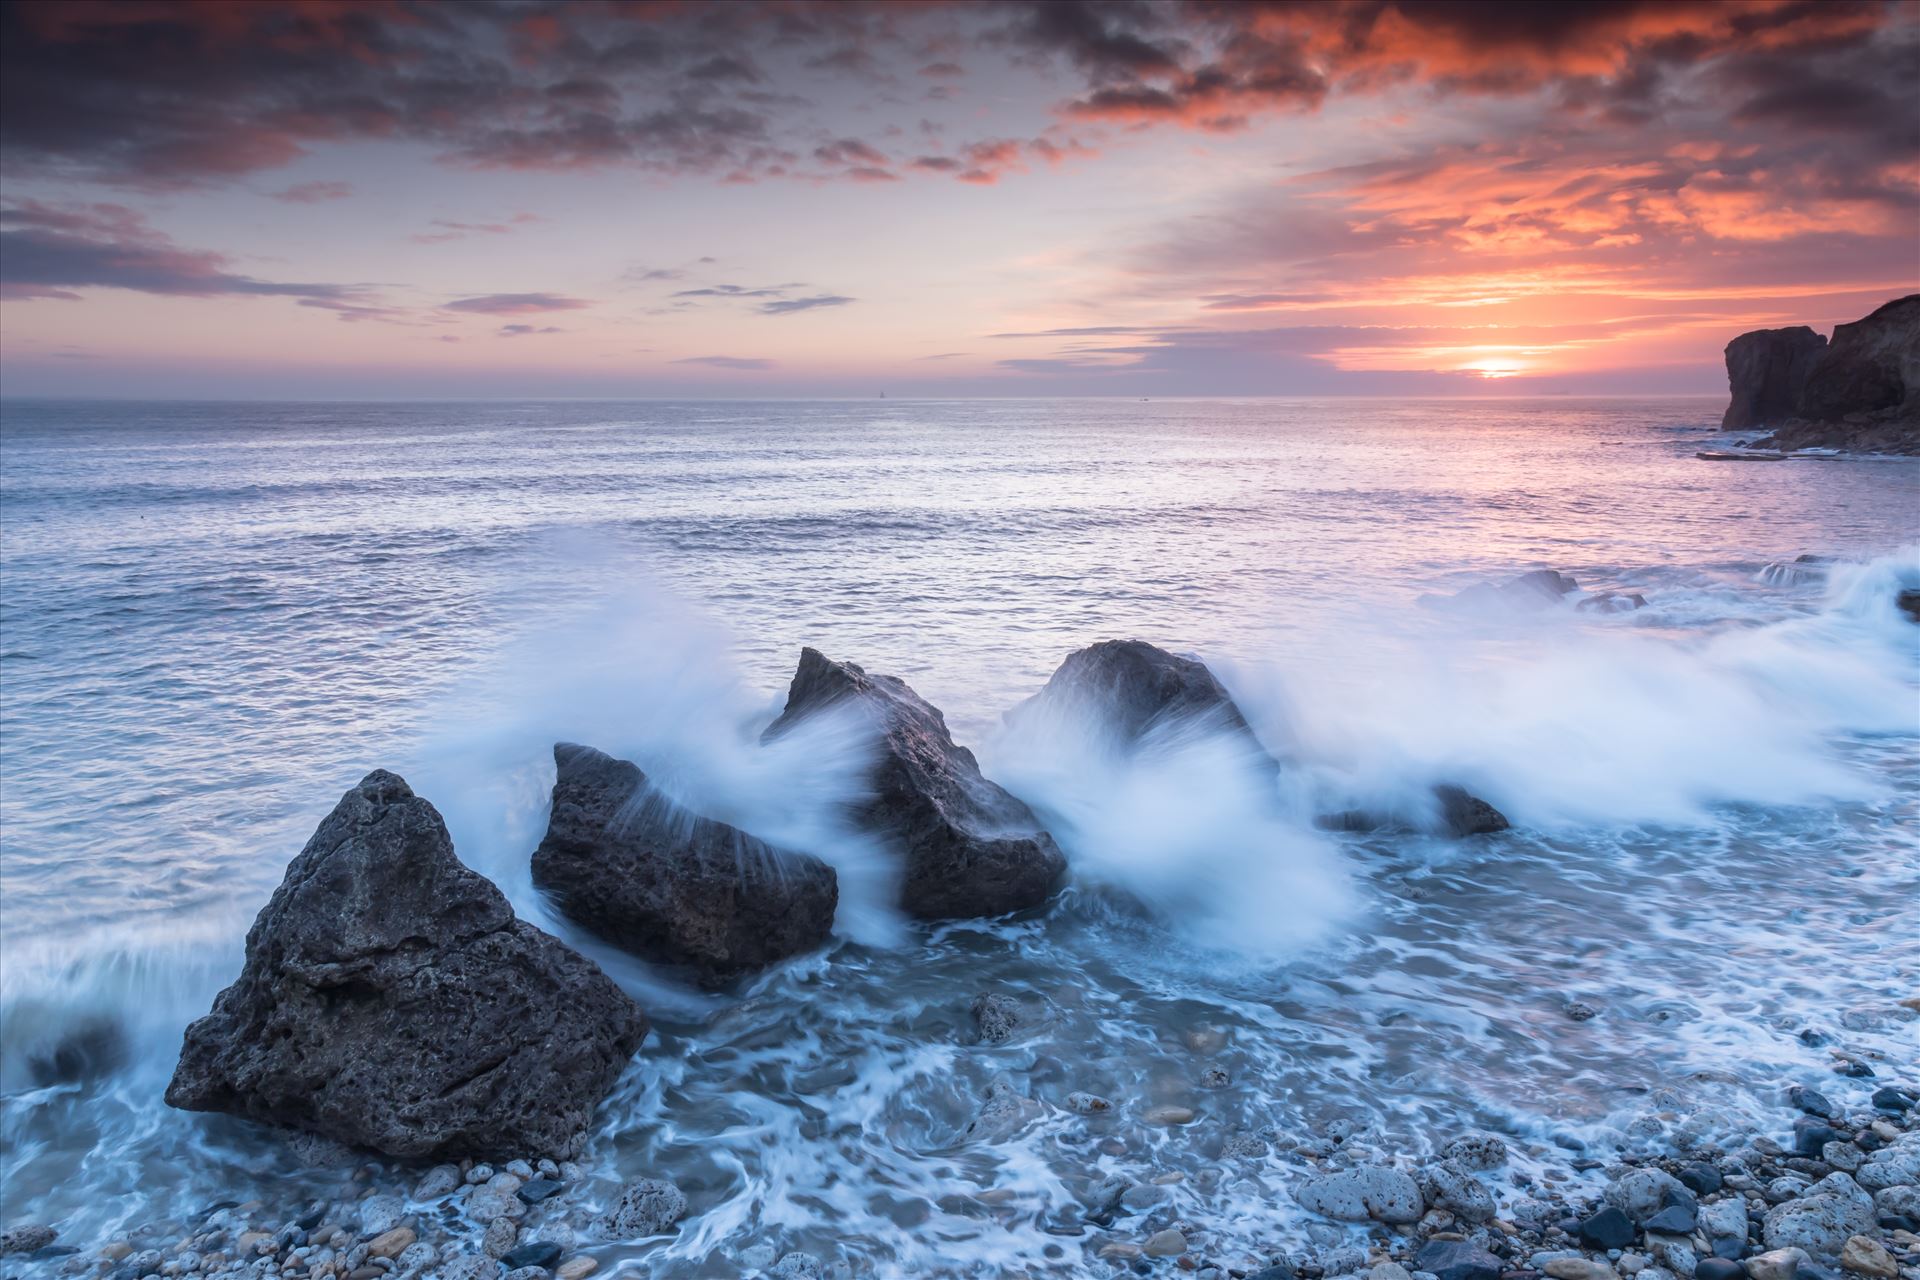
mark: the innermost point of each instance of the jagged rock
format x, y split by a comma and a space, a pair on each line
1612, 602
1859, 392
391, 1000
970, 848
633, 867
644, 1208
1872, 364
1767, 373
1127, 689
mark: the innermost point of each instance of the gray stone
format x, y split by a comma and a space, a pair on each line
391, 1000
644, 1208
1776, 1264
379, 1214
1641, 1193
1820, 1224
1476, 1151
26, 1239
1724, 1223
1377, 1193
440, 1181
1895, 1166
969, 847
1902, 1201
798, 1266
1457, 1260
520, 1169
469, 1267
501, 1236
626, 862
1088, 1104
1446, 1185
996, 1017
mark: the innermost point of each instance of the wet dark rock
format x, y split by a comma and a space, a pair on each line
1810, 1133
1812, 1102
633, 867
1457, 1260
1893, 1098
1908, 603
541, 1253
95, 1048
1700, 1178
1674, 1220
1463, 814
1767, 372
1610, 1228
1719, 1269
391, 1000
1580, 1010
1279, 1271
1457, 814
970, 848
539, 1189
1126, 690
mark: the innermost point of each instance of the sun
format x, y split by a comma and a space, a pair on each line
1495, 368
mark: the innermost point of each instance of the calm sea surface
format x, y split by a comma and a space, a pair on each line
214, 618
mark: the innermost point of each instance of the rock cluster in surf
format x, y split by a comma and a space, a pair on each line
391, 1000
1861, 391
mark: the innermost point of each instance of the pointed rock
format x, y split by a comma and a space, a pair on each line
971, 849
390, 999
1128, 689
626, 862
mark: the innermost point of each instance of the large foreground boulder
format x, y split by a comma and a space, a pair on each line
970, 848
390, 999
628, 863
1871, 366
1127, 690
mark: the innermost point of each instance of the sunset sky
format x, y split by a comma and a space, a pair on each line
336, 199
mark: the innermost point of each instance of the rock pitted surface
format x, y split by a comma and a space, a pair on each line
390, 999
970, 848
627, 863
1861, 391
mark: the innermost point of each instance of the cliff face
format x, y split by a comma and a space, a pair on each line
1767, 371
1872, 367
1872, 364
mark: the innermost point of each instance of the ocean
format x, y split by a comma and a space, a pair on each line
215, 618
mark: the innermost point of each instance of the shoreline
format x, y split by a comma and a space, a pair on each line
1834, 1190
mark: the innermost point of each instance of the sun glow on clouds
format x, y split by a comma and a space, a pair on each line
1195, 196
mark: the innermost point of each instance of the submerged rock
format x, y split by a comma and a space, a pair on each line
644, 1208
1457, 813
626, 862
1534, 590
970, 848
391, 1000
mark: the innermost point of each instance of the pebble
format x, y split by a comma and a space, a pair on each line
578, 1267
520, 1169
469, 1266
527, 1273
1214, 1078
541, 1254
1719, 1269
1167, 1115
479, 1174
26, 1239
1205, 1040
391, 1244
1476, 1151
1357, 1195
1579, 1269
1088, 1104
440, 1181
1776, 1264
1865, 1256
1165, 1244
1610, 1228
501, 1236
645, 1208
380, 1214
996, 1017
538, 1189
1119, 1249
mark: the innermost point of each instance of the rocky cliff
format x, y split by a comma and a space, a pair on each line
1859, 391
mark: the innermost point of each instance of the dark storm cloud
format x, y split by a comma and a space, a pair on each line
48, 251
